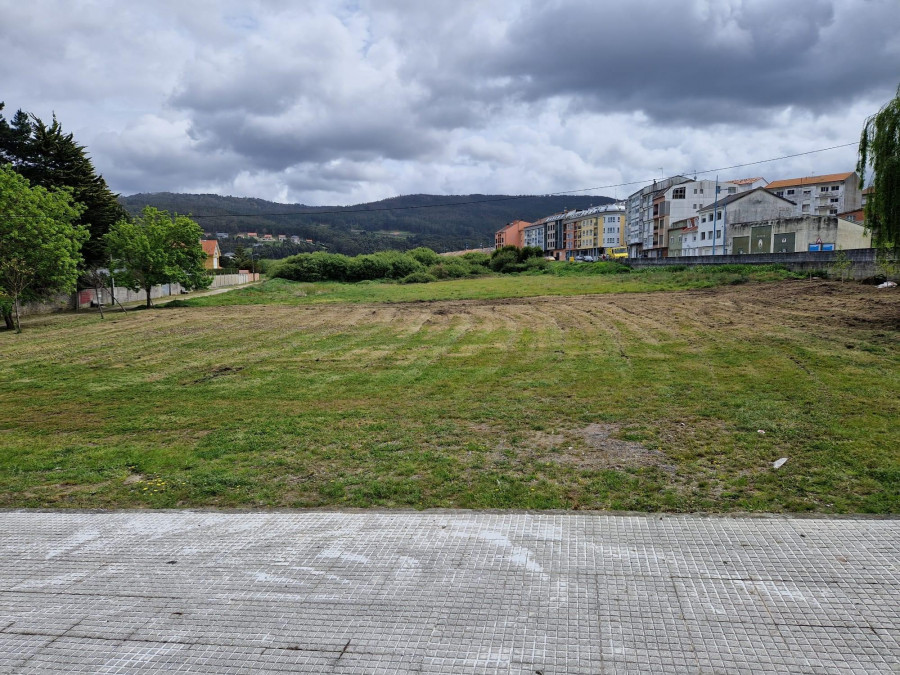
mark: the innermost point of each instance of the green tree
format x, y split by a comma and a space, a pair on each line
156, 248
40, 244
879, 147
51, 158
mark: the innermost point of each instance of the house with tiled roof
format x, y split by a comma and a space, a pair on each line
750, 183
826, 195
213, 253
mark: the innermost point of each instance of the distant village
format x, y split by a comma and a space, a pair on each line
681, 216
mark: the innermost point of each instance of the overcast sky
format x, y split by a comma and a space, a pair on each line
342, 102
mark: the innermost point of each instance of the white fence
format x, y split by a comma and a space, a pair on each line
88, 296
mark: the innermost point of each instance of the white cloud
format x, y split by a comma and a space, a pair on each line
342, 102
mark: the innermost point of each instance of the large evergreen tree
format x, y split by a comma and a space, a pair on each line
879, 147
51, 158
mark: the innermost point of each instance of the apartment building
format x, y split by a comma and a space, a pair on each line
639, 215
535, 234
826, 195
653, 210
510, 234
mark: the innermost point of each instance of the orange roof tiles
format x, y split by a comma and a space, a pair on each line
809, 180
209, 246
745, 181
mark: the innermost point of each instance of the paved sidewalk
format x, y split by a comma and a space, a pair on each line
445, 592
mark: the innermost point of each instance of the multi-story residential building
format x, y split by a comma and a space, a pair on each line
587, 232
639, 216
653, 210
613, 225
555, 243
510, 234
534, 235
825, 195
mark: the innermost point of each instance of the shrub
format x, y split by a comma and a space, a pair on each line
369, 267
536, 265
424, 255
418, 278
476, 258
452, 268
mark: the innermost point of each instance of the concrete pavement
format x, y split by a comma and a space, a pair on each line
445, 592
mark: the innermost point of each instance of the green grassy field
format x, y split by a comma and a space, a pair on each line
569, 279
513, 392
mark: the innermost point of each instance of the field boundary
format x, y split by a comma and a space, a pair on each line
863, 262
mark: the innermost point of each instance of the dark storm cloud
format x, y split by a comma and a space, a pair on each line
278, 143
696, 63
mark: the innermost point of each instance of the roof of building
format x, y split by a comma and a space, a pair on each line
210, 246
810, 180
857, 215
745, 181
725, 201
869, 190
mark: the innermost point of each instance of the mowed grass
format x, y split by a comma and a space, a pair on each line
569, 279
601, 400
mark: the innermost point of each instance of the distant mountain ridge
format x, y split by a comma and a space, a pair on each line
441, 222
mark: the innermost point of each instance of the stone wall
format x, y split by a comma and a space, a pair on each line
862, 259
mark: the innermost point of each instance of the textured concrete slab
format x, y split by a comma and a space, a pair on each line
446, 592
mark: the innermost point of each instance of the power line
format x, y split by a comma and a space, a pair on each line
506, 199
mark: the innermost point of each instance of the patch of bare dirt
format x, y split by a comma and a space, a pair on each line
599, 448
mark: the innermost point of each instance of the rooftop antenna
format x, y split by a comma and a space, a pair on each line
660, 173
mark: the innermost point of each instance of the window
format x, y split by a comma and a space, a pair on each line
732, 190
834, 200
805, 208
701, 191
807, 192
832, 212
790, 192
695, 190
835, 188
678, 193
780, 193
823, 189
719, 234
719, 215
695, 206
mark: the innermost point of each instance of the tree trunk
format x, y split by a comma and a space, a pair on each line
18, 323
149, 304
8, 319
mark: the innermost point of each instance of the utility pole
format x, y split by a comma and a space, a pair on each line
715, 213
725, 228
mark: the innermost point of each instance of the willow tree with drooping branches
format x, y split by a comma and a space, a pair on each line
879, 148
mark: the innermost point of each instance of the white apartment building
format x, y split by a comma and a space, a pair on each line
826, 195
612, 225
651, 212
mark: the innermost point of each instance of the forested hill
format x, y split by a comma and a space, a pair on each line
443, 223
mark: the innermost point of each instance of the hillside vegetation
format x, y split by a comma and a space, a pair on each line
440, 222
